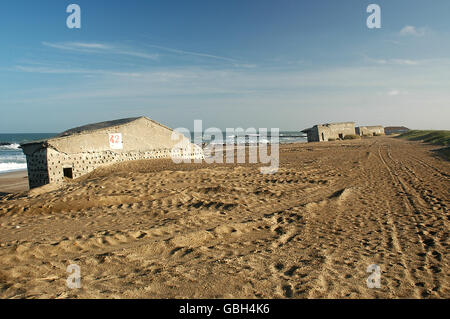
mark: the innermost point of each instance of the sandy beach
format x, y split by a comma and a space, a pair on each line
154, 229
14, 182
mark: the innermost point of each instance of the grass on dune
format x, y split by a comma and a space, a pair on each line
432, 137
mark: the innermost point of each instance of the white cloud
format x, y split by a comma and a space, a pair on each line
403, 62
139, 54
199, 54
245, 65
261, 95
394, 42
204, 82
100, 48
54, 70
394, 61
410, 30
77, 46
89, 45
393, 92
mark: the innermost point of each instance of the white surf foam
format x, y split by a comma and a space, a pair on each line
13, 146
9, 167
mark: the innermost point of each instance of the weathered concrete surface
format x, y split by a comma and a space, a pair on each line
370, 130
137, 135
325, 132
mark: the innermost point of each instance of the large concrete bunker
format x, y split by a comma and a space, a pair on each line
325, 132
80, 150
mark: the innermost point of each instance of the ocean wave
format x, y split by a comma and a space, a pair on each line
11, 146
13, 159
9, 167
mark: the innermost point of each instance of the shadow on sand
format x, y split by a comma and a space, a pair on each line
3, 194
443, 153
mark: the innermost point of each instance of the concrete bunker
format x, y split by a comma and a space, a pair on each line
375, 130
330, 131
80, 150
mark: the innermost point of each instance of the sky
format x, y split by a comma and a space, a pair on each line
285, 64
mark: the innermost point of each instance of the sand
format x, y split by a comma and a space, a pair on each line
13, 182
153, 229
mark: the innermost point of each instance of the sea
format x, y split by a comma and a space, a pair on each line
285, 137
13, 159
11, 155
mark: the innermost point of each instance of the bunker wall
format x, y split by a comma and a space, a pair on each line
82, 163
335, 131
37, 168
370, 130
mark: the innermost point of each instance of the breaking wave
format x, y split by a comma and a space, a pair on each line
10, 167
9, 146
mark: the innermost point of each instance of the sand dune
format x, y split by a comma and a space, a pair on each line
153, 229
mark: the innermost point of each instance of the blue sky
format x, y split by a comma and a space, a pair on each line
254, 63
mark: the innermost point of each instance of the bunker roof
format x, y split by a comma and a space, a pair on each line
337, 123
90, 128
97, 126
327, 124
396, 128
371, 126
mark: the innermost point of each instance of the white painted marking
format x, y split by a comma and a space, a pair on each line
115, 141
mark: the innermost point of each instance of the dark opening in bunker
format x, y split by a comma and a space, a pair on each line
68, 172
341, 136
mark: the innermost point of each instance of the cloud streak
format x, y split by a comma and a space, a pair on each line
198, 54
100, 48
405, 62
53, 70
393, 92
250, 82
364, 91
410, 30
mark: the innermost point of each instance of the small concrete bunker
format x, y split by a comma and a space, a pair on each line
80, 150
389, 130
325, 132
375, 130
